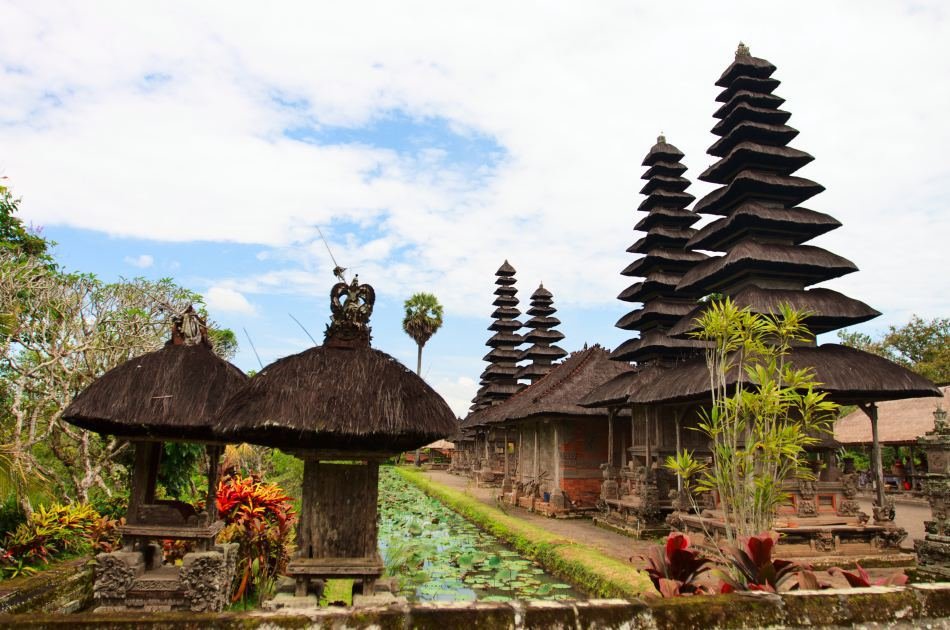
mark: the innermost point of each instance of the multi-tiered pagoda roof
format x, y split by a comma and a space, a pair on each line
762, 229
664, 259
500, 378
542, 336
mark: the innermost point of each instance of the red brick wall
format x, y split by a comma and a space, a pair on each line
583, 449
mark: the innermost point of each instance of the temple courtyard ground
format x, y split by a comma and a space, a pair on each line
908, 515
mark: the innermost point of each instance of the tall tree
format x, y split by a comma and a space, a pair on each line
423, 319
920, 345
14, 236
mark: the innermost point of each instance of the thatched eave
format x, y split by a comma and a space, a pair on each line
337, 398
829, 309
796, 225
758, 186
805, 264
171, 394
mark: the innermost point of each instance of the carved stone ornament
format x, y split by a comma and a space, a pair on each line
351, 306
189, 329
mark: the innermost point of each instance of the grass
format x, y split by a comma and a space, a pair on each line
592, 571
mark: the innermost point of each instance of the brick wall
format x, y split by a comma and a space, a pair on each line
583, 445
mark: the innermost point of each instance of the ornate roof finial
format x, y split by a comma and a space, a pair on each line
661, 139
189, 329
349, 322
742, 51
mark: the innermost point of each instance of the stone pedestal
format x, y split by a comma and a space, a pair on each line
933, 552
201, 584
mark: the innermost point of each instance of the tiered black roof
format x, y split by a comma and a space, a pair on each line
500, 378
542, 353
762, 229
665, 258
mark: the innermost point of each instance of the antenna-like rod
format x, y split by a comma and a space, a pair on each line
336, 265
303, 329
259, 362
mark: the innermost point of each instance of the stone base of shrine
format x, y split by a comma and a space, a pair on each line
933, 558
818, 537
201, 584
546, 508
634, 528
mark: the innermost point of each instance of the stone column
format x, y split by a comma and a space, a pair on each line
933, 552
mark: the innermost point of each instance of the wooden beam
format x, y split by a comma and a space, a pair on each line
870, 410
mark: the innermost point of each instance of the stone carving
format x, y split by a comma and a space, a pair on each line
680, 500
824, 542
807, 508
207, 576
884, 513
933, 552
351, 306
188, 329
849, 488
115, 573
890, 538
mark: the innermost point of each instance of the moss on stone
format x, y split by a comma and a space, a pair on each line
738, 610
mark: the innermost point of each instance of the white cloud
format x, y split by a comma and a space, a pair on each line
143, 261
227, 300
573, 93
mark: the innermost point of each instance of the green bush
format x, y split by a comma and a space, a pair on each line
54, 532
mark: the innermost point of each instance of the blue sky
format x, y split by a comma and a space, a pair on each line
431, 141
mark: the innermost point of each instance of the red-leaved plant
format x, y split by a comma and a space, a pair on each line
861, 579
675, 568
260, 517
753, 569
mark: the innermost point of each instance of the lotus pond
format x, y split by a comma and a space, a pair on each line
439, 556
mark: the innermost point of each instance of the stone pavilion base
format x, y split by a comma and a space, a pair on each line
125, 581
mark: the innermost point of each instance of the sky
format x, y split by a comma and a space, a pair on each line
429, 142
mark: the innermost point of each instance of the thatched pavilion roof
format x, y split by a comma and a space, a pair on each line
664, 259
170, 394
831, 310
558, 392
542, 336
848, 375
898, 421
499, 379
343, 396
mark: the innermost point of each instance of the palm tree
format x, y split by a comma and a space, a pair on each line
423, 318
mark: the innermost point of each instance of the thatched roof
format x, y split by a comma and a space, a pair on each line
847, 374
616, 391
745, 65
558, 392
805, 263
829, 309
170, 394
751, 154
898, 421
654, 343
789, 189
796, 225
338, 399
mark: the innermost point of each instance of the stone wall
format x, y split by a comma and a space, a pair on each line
926, 605
64, 588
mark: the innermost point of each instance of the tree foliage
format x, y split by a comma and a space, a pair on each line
14, 236
59, 331
422, 320
764, 413
921, 345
